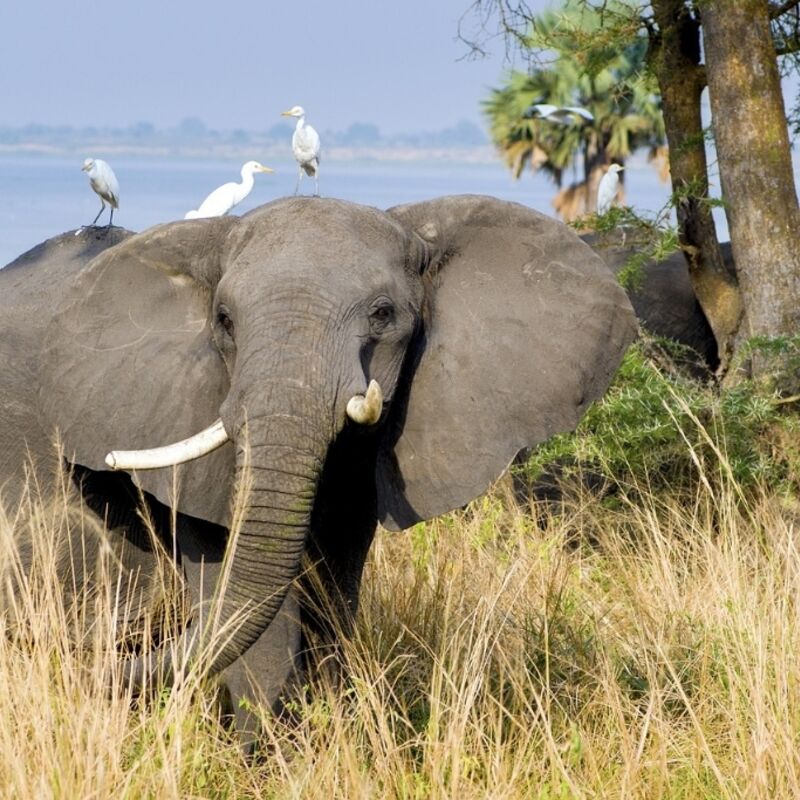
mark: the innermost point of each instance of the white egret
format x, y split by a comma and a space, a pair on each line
225, 197
305, 146
565, 115
104, 182
607, 190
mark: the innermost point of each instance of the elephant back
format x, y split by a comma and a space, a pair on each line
30, 289
664, 299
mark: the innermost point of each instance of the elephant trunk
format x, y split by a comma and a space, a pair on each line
266, 551
279, 459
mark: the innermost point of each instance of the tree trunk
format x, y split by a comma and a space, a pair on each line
675, 56
754, 162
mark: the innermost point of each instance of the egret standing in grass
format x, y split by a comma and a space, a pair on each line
225, 197
104, 182
607, 190
305, 146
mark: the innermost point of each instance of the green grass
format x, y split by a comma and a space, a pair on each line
660, 428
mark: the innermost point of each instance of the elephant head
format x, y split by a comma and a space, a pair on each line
451, 333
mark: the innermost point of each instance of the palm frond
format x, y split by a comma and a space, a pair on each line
610, 81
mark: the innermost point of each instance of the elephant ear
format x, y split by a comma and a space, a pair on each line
129, 362
525, 327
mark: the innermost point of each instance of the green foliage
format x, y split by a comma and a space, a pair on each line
658, 428
695, 191
652, 238
609, 80
775, 346
596, 30
778, 360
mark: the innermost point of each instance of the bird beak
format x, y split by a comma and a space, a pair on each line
286, 114
264, 169
84, 169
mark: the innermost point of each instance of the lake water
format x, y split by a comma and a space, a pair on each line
41, 196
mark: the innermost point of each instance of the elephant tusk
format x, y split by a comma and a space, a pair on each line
186, 450
366, 409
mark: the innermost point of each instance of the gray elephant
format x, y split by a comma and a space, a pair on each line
665, 302
357, 366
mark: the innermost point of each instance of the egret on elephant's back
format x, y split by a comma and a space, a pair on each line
225, 197
305, 146
105, 185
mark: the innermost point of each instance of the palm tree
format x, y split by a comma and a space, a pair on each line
619, 93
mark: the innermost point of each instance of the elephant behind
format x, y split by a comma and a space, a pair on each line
347, 365
665, 302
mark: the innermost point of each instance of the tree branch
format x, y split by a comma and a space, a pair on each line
513, 18
787, 5
788, 48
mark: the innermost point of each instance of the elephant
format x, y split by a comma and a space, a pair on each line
349, 366
665, 302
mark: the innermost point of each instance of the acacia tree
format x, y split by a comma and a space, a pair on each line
761, 200
742, 39
674, 54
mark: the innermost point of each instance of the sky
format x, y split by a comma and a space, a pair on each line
238, 64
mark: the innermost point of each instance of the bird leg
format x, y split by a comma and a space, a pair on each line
111, 218
299, 178
102, 209
316, 182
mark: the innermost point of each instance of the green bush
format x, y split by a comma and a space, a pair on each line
658, 427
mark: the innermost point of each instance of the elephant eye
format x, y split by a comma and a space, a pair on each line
225, 321
382, 314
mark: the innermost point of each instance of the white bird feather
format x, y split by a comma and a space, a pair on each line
225, 197
564, 115
305, 146
607, 189
105, 185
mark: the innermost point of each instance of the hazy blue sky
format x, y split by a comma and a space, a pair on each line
240, 63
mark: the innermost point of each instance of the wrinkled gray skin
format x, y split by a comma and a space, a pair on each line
665, 302
489, 327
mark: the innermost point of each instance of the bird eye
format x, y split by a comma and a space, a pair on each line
225, 321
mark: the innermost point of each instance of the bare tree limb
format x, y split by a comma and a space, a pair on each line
512, 20
776, 11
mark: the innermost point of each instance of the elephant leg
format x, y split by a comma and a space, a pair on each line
342, 530
262, 675
331, 590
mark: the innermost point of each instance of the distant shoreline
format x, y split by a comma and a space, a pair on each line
483, 154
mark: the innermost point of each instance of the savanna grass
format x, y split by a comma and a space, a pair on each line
640, 648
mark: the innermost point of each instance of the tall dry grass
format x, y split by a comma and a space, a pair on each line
644, 650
